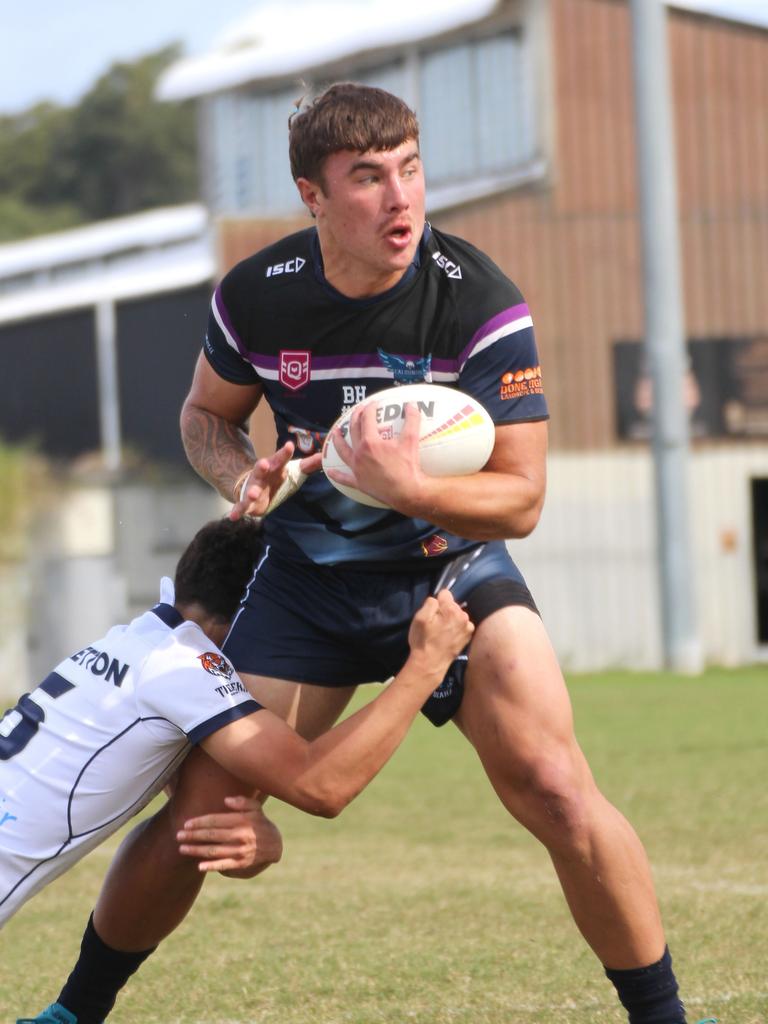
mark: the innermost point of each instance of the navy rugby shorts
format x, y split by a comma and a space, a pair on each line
342, 625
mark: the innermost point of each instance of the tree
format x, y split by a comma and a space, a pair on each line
19, 219
132, 152
117, 152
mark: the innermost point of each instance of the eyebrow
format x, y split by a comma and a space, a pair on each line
375, 165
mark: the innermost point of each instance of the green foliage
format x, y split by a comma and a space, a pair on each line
19, 219
424, 902
117, 152
22, 480
132, 152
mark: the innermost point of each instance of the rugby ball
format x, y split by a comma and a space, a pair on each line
456, 438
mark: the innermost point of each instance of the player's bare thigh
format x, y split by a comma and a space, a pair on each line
517, 712
309, 709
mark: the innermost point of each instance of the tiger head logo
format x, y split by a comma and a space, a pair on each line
215, 664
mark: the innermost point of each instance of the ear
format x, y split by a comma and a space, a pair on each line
311, 194
216, 630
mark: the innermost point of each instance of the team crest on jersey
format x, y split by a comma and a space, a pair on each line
434, 545
407, 371
294, 368
215, 664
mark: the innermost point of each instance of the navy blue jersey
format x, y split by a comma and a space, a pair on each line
453, 319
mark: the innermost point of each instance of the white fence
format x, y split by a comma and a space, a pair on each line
592, 567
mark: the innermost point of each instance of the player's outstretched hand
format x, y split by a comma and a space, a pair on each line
240, 843
439, 632
271, 481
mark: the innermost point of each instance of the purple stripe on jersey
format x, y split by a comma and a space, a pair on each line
227, 321
322, 362
507, 316
445, 365
340, 362
372, 359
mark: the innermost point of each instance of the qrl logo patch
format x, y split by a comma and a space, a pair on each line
215, 664
294, 368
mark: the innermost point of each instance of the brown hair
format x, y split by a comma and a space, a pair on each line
346, 116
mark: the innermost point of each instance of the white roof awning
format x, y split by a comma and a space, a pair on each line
126, 258
281, 41
284, 41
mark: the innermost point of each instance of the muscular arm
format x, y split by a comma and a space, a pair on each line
504, 500
323, 776
212, 428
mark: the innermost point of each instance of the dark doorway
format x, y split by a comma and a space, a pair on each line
760, 554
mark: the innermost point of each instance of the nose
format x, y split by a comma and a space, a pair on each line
396, 196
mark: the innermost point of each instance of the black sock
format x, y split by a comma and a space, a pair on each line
649, 994
99, 974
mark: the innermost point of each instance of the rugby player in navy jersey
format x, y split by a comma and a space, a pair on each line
370, 296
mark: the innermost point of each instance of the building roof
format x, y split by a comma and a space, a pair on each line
280, 41
124, 258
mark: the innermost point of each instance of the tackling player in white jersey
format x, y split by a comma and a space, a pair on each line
107, 728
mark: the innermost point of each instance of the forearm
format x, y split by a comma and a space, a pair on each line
503, 500
217, 449
341, 762
322, 777
484, 506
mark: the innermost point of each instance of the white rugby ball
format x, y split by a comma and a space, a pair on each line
456, 438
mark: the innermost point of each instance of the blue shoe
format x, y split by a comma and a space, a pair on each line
53, 1014
709, 1020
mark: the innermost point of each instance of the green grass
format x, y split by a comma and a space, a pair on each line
425, 904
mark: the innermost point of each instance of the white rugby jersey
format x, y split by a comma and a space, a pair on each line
100, 736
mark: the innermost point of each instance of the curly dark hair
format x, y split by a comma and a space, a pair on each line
346, 116
217, 564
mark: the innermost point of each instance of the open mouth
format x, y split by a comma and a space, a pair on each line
399, 235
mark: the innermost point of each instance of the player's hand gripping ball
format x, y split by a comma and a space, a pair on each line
456, 436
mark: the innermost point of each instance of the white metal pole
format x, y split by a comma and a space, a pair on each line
664, 331
109, 395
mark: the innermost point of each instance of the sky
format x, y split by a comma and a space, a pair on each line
51, 50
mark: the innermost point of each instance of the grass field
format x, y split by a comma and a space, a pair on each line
425, 904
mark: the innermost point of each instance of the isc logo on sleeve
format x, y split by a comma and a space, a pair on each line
289, 267
452, 269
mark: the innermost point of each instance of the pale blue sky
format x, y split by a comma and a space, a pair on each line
54, 50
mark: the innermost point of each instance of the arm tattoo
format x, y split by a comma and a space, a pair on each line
217, 449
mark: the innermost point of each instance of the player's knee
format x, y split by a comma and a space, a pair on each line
556, 799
